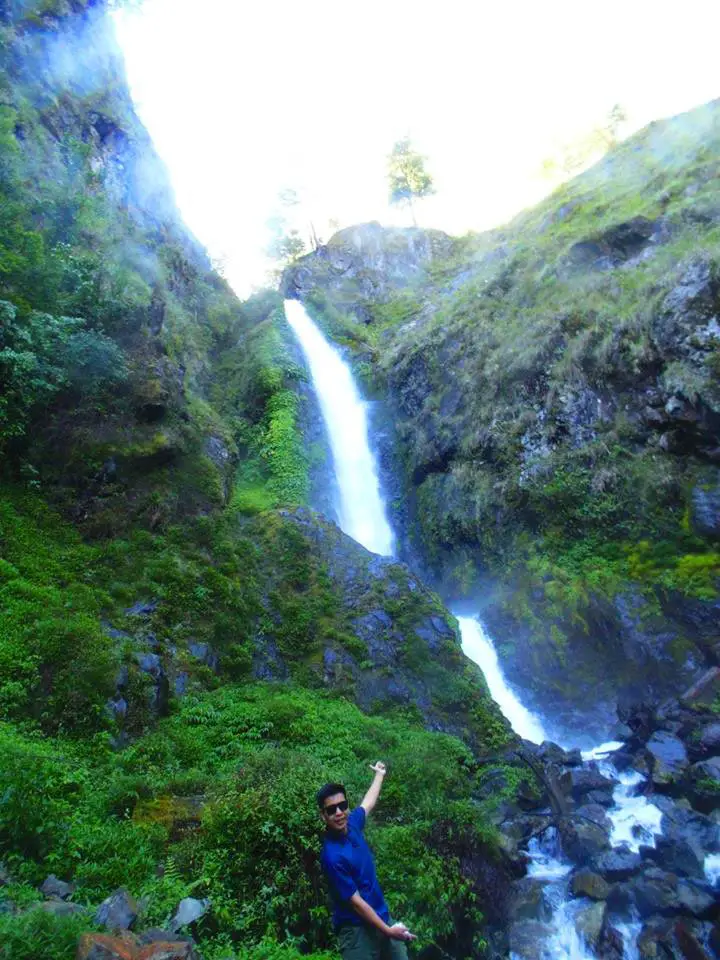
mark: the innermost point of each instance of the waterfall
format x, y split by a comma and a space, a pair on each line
635, 820
478, 647
361, 508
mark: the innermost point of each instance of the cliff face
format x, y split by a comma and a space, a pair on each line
552, 387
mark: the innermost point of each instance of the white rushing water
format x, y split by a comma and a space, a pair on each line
479, 648
362, 511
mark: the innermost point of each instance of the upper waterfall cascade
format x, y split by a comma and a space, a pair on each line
361, 508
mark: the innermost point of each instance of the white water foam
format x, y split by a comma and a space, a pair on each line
478, 647
712, 869
362, 511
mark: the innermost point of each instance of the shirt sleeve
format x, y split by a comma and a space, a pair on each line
357, 818
341, 879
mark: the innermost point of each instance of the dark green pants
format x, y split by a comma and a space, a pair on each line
367, 943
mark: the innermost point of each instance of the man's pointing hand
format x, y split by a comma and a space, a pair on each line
379, 767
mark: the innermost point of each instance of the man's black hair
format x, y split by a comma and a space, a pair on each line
329, 790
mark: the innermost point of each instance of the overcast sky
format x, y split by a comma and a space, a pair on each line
246, 98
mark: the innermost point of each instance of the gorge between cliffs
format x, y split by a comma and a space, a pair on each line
453, 502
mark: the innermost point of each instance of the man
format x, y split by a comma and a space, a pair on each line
360, 915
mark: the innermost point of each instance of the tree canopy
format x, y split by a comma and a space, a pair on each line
407, 177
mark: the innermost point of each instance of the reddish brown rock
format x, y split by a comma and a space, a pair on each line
99, 946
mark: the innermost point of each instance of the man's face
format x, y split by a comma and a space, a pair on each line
333, 816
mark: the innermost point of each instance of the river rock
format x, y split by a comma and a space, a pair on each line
582, 780
528, 939
677, 855
669, 757
694, 898
618, 864
52, 887
528, 901
655, 891
585, 841
118, 912
589, 922
550, 752
585, 883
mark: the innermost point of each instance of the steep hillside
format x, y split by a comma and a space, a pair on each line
187, 650
552, 402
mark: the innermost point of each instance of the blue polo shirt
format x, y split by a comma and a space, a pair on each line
349, 866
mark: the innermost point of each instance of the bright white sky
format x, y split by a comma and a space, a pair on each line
246, 97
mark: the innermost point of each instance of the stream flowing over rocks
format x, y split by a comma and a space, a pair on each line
618, 855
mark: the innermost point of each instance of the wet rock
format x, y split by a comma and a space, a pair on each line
695, 898
118, 912
528, 901
550, 752
654, 891
599, 798
585, 883
669, 758
656, 940
589, 922
585, 841
527, 939
678, 855
583, 780
618, 864
612, 944
189, 911
52, 887
596, 814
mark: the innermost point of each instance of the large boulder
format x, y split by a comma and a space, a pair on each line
585, 883
669, 758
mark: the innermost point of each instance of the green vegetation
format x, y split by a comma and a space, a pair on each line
407, 177
254, 756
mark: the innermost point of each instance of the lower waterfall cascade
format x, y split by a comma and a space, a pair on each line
636, 822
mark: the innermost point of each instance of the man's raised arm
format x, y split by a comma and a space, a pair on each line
371, 797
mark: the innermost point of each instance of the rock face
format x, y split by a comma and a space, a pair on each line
365, 263
405, 645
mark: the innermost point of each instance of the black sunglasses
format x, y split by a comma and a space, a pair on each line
332, 807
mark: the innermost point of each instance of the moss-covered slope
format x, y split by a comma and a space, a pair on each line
187, 650
554, 391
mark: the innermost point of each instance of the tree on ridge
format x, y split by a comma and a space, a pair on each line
407, 177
